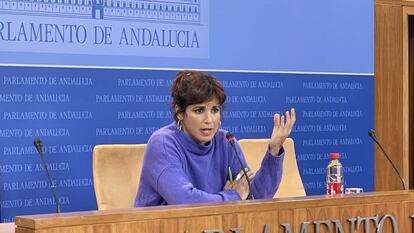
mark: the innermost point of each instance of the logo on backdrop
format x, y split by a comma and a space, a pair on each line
176, 28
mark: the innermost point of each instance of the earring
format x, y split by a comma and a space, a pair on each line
180, 125
220, 124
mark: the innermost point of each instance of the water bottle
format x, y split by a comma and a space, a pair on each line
334, 175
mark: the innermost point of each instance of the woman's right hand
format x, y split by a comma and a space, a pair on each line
240, 185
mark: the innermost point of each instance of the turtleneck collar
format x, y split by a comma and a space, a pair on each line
190, 144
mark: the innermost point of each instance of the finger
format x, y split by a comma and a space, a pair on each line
287, 117
251, 176
228, 185
249, 172
276, 120
246, 187
292, 120
240, 175
242, 181
293, 115
289, 122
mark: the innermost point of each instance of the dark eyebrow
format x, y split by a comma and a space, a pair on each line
199, 106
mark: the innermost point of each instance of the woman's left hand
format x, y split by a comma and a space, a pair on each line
240, 184
281, 130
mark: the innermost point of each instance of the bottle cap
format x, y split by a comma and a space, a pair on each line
334, 155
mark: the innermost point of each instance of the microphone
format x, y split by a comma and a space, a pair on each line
230, 138
371, 133
39, 147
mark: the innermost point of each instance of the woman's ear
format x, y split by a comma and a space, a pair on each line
180, 116
178, 113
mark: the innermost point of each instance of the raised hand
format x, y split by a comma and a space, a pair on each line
281, 130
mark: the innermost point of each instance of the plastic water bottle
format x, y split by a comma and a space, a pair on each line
334, 175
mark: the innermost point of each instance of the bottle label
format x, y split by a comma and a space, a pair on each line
334, 188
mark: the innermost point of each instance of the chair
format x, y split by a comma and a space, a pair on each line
116, 172
291, 184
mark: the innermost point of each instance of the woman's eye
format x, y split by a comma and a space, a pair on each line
215, 110
198, 110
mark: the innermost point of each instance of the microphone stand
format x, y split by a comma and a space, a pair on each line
230, 138
371, 133
39, 147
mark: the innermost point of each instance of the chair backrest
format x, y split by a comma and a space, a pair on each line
291, 184
116, 172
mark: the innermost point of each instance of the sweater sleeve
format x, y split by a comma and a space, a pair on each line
171, 182
175, 187
267, 178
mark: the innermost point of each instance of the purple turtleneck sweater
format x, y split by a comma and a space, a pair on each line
178, 170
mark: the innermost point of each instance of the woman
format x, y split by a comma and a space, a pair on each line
189, 160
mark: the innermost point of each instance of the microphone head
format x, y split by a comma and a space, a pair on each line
229, 136
371, 133
38, 145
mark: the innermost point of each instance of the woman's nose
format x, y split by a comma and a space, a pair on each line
208, 117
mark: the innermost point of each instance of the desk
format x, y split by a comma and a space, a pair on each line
383, 210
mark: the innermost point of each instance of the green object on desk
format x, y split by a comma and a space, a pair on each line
230, 178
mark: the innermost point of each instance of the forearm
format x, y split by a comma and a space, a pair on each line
268, 177
177, 190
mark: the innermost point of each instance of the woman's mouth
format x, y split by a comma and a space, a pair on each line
206, 131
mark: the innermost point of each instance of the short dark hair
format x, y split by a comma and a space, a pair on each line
194, 87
